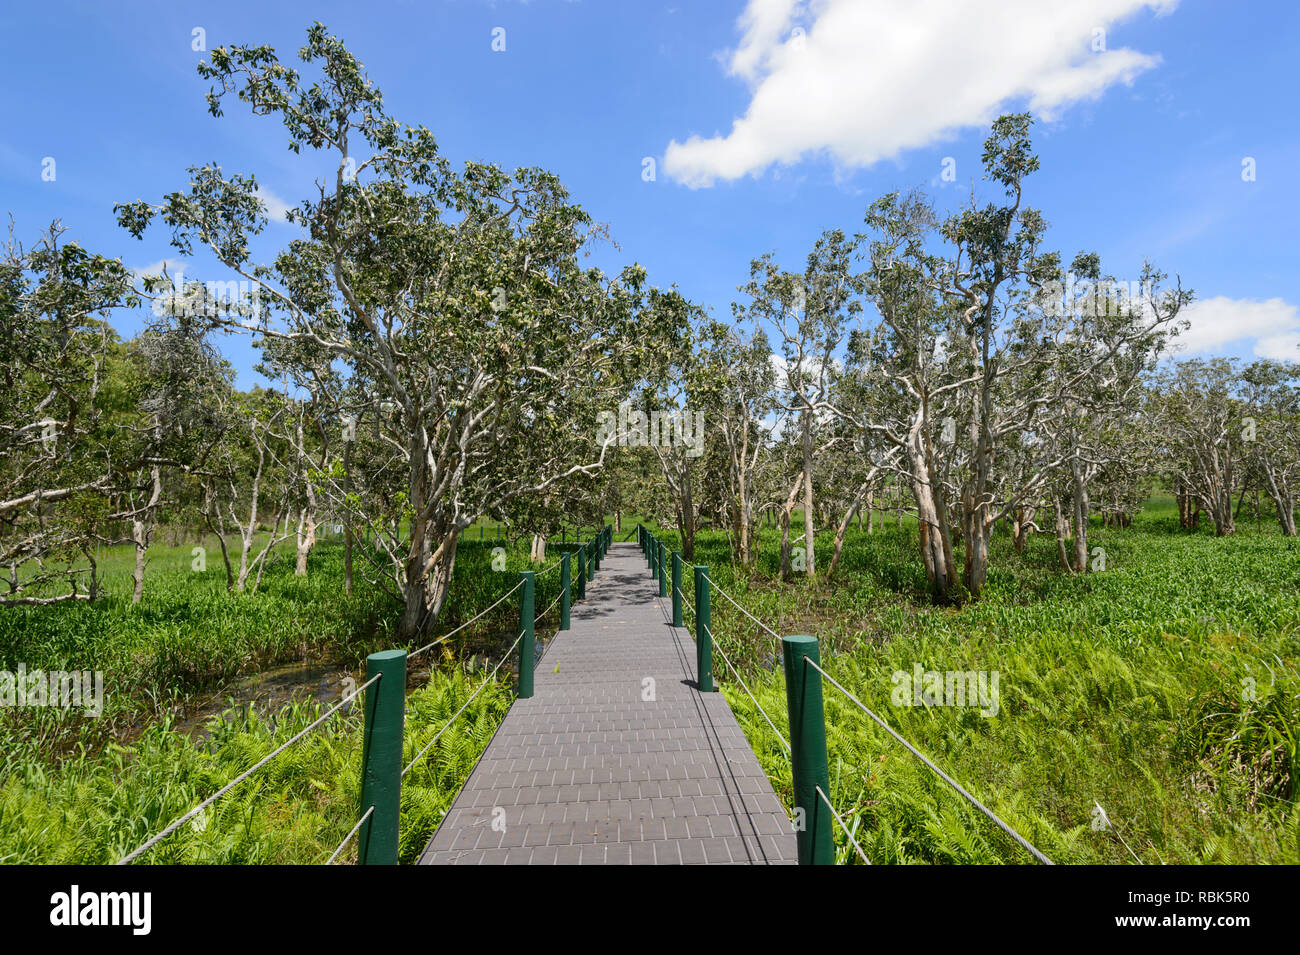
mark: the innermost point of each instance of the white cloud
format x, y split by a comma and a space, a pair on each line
174, 268
1272, 324
274, 206
764, 23
863, 81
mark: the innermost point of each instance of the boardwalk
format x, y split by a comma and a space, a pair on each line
589, 772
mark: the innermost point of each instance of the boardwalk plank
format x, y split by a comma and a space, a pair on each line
587, 772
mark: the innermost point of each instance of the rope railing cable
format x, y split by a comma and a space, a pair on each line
727, 660
743, 610
429, 745
543, 573
686, 604
840, 820
548, 609
176, 824
348, 838
447, 636
939, 772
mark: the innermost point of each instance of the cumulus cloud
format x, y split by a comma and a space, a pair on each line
273, 205
1272, 324
174, 268
862, 81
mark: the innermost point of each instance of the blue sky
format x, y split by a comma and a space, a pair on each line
768, 121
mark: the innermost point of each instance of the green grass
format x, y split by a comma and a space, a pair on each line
1126, 689
94, 810
79, 789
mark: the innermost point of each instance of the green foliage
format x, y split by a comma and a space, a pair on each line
81, 790
187, 636
94, 810
1128, 688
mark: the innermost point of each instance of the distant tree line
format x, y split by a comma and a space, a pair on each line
440, 354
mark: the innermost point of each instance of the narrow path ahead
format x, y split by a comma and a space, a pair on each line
602, 766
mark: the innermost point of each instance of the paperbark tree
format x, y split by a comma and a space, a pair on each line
1199, 407
741, 397
455, 298
1272, 395
675, 402
1107, 340
59, 440
810, 312
253, 487
972, 361
900, 364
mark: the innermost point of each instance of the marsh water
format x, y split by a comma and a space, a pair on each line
325, 683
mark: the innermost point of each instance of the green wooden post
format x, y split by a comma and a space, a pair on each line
803, 695
703, 635
381, 757
566, 597
677, 589
591, 561
595, 554
663, 569
527, 645
582, 571
654, 557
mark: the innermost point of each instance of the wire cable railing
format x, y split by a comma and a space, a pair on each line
655, 552
758, 705
478, 616
177, 823
554, 604
729, 600
553, 567
398, 660
491, 676
848, 834
348, 838
939, 772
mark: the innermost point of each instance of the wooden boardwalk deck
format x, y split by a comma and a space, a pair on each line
588, 771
